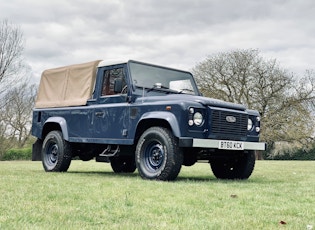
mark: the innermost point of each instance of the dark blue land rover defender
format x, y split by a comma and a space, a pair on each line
141, 116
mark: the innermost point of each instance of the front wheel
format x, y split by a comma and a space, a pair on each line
56, 153
158, 156
236, 165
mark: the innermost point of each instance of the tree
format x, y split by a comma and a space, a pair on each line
15, 102
16, 116
284, 102
11, 49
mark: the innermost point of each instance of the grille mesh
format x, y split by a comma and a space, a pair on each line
220, 125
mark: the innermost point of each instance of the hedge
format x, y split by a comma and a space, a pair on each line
297, 154
17, 154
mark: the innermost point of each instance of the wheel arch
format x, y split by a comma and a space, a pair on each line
56, 123
162, 119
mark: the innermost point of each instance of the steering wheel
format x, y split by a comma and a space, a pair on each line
124, 89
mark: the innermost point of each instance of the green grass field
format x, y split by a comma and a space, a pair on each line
91, 196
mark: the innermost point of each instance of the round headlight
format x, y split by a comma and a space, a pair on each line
198, 119
249, 124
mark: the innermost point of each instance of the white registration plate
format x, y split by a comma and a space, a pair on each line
232, 145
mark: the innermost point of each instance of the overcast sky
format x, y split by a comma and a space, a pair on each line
176, 33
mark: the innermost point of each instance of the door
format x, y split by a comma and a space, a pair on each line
111, 113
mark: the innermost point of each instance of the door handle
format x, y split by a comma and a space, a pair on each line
99, 114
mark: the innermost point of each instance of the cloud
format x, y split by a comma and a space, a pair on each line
177, 33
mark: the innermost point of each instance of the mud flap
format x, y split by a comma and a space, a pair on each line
36, 150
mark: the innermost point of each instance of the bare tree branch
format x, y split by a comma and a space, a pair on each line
11, 49
17, 115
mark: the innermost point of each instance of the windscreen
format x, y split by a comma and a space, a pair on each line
149, 76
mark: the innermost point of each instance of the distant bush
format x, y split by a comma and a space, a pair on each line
293, 154
300, 154
17, 154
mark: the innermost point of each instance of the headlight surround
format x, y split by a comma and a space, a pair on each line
198, 119
253, 125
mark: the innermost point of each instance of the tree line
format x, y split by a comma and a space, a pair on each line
16, 94
285, 100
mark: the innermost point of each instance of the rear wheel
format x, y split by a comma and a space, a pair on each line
239, 165
158, 155
123, 164
56, 153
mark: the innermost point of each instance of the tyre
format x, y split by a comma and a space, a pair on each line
158, 156
239, 166
123, 164
56, 153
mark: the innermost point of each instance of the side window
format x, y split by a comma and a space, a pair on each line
109, 80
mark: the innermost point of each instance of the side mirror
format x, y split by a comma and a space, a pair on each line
118, 85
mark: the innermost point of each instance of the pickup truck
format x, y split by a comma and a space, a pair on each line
136, 115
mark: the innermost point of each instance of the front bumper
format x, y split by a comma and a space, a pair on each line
215, 144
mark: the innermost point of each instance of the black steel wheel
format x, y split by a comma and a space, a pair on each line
158, 155
239, 165
56, 153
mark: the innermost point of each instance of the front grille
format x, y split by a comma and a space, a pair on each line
228, 130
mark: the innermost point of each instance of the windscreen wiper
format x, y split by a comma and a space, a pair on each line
187, 90
158, 87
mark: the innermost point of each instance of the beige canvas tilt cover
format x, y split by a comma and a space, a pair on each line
67, 86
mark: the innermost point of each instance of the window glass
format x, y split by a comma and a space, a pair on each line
109, 80
148, 76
